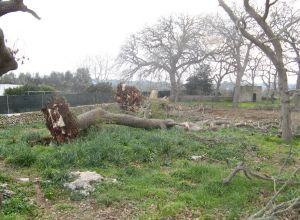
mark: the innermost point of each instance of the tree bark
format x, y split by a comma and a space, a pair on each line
174, 87
7, 59
217, 89
237, 90
298, 74
285, 103
92, 117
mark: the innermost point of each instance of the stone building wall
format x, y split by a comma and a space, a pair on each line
250, 94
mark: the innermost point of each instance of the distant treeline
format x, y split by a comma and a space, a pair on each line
76, 82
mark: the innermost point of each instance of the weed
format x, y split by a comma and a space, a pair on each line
22, 156
17, 205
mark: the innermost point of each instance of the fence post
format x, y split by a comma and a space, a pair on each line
7, 104
43, 99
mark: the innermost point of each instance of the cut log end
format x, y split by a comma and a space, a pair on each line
59, 120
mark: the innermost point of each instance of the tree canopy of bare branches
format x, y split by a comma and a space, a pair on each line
99, 66
234, 52
7, 58
261, 33
172, 47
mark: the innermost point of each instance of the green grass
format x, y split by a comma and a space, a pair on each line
152, 167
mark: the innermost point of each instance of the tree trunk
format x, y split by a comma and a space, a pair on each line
298, 74
237, 90
89, 118
174, 88
217, 89
285, 103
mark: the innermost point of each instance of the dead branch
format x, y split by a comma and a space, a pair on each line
270, 211
14, 6
7, 59
249, 174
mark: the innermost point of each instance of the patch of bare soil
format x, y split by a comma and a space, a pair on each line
199, 113
88, 209
246, 114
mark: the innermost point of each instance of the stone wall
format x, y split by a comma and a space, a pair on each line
201, 98
30, 117
248, 94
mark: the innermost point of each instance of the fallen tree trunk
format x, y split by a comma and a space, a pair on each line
63, 125
99, 115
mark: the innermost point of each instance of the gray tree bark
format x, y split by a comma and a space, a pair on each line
92, 117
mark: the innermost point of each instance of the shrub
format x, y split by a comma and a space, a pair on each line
22, 90
102, 87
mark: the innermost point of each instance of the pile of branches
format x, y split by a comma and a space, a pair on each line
128, 97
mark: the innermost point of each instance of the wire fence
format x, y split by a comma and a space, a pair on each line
29, 103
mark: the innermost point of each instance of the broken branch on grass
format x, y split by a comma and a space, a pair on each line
270, 211
249, 174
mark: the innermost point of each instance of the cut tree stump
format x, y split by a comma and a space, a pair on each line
64, 126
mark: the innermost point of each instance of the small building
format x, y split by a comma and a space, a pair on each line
250, 93
7, 86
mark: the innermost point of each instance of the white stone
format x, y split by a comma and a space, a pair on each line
23, 180
83, 182
197, 158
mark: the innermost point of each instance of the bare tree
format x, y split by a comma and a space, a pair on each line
100, 67
237, 51
282, 15
291, 39
254, 67
172, 47
268, 41
7, 56
268, 76
222, 65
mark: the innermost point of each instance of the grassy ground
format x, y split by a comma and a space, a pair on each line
156, 178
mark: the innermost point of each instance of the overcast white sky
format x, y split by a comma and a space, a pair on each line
72, 29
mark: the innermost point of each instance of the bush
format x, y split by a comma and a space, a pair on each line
102, 87
22, 90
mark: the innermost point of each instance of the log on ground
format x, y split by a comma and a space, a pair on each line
63, 125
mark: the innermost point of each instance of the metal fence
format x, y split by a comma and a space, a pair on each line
28, 103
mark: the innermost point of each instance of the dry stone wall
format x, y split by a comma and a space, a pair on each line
30, 117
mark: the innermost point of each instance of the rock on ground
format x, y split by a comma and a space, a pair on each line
84, 181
